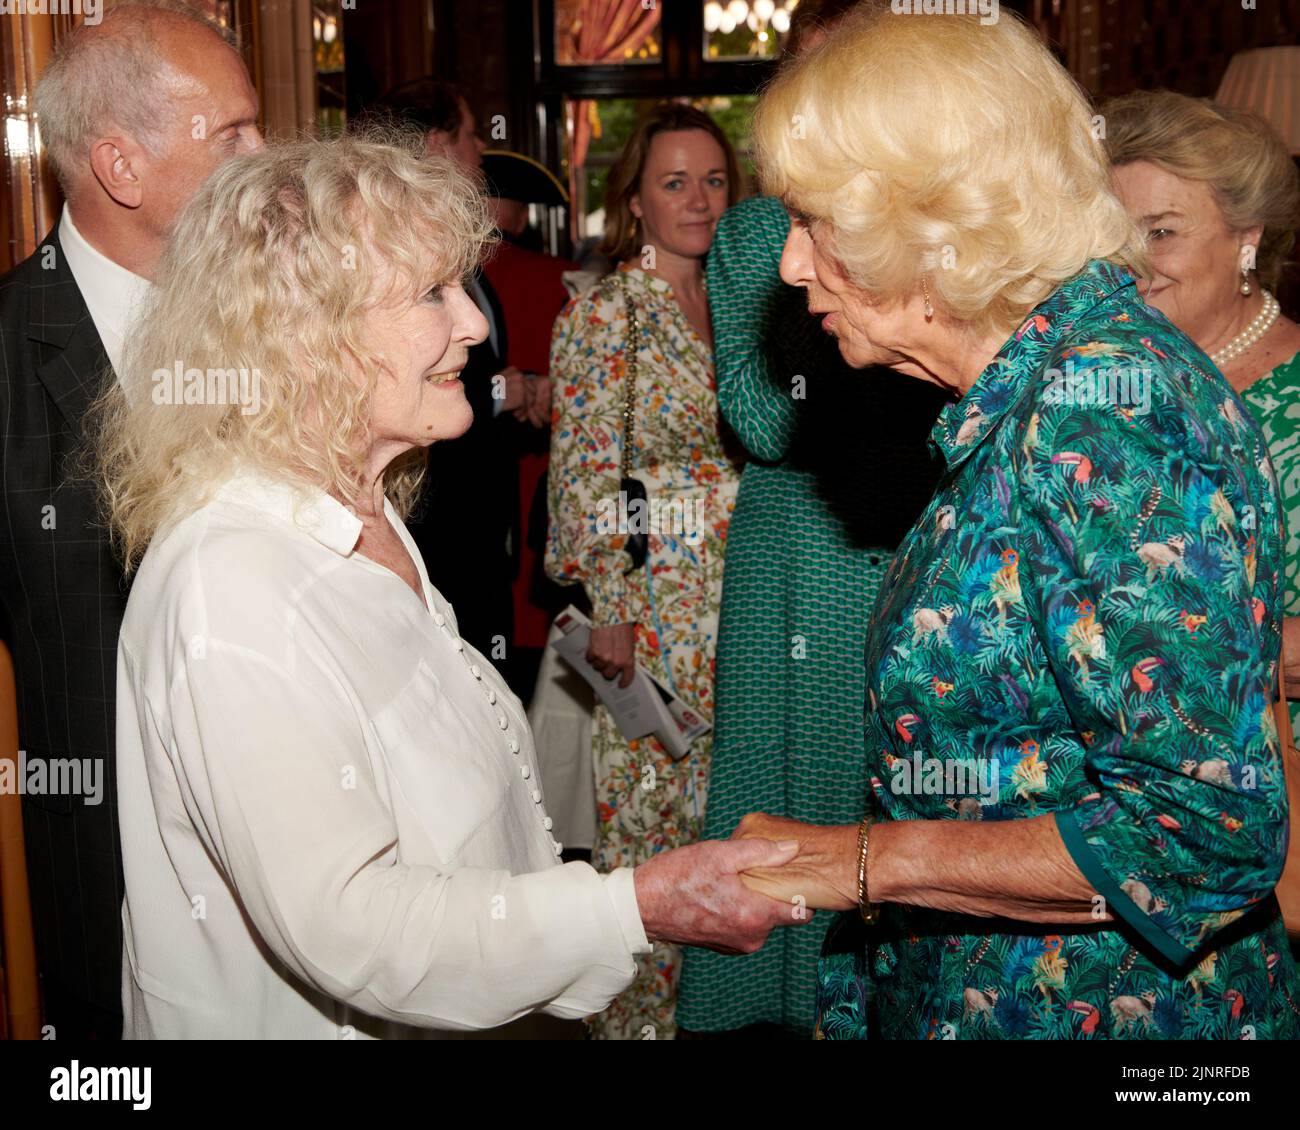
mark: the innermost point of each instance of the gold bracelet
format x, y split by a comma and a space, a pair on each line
870, 911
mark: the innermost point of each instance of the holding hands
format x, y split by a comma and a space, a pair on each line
728, 895
823, 873
695, 896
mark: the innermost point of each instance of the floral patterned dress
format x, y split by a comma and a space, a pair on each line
646, 802
1086, 619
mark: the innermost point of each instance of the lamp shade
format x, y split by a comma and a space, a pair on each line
1266, 81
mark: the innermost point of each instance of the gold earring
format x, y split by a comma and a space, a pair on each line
925, 291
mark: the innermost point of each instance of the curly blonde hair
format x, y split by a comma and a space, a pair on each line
1238, 155
274, 267
935, 145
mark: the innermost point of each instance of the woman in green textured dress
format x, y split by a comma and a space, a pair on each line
807, 548
1219, 197
838, 472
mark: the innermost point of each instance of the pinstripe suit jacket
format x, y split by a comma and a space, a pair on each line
63, 597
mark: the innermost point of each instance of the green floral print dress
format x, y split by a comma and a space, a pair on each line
1085, 623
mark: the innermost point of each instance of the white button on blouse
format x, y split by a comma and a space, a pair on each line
321, 834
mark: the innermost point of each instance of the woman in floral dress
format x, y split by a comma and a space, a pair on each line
674, 180
1079, 811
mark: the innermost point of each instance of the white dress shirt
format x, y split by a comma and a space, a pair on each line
332, 823
113, 295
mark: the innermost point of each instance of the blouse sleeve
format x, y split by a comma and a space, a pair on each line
745, 301
281, 792
584, 543
1152, 542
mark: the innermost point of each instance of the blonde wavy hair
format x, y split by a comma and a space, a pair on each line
275, 265
934, 145
1239, 156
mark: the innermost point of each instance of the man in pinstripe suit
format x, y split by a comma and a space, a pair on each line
135, 113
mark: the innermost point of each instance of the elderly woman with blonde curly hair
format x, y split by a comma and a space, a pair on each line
330, 811
1078, 810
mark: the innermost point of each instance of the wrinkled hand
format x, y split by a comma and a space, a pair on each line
693, 896
612, 651
824, 873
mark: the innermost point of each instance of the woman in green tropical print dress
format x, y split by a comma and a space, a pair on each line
1080, 807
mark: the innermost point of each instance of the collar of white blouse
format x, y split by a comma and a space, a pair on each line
308, 508
326, 520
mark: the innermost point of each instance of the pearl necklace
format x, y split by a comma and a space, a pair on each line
1259, 326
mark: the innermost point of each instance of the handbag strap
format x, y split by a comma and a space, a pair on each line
631, 352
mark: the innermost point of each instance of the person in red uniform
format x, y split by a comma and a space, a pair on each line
531, 289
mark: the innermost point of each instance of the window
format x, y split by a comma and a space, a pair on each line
740, 30
586, 108
623, 34
327, 63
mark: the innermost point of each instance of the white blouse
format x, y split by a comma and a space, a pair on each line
332, 820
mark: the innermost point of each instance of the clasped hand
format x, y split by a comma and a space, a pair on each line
728, 895
694, 895
822, 875
526, 396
